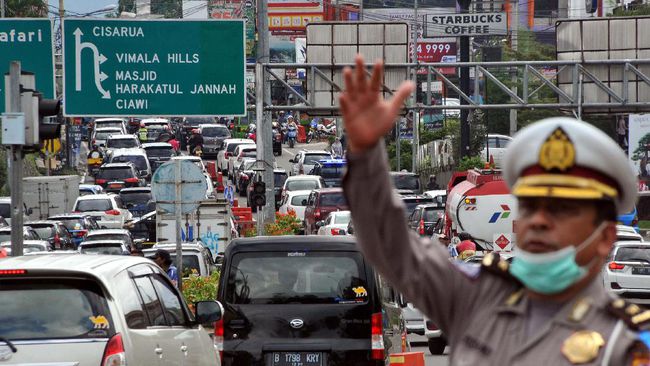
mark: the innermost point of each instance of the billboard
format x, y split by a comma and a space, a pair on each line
292, 16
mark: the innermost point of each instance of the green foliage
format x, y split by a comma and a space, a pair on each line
197, 288
167, 8
633, 10
25, 8
406, 155
470, 162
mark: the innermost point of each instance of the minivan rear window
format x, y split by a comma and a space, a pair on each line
93, 205
407, 181
297, 278
333, 199
76, 308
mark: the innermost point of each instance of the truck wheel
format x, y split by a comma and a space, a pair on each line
437, 346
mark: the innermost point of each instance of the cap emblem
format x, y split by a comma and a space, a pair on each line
557, 152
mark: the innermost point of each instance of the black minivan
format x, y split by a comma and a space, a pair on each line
310, 301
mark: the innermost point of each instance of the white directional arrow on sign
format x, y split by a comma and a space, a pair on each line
98, 59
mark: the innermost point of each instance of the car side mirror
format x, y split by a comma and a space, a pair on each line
208, 312
320, 223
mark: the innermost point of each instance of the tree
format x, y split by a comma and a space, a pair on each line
167, 8
641, 154
25, 8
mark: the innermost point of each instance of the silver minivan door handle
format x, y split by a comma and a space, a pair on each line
158, 350
183, 348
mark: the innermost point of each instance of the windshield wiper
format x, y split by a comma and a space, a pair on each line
11, 345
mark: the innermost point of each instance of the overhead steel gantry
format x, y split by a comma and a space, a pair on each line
603, 86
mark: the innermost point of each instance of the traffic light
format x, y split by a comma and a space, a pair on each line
48, 108
258, 197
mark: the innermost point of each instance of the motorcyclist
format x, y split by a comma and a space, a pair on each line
196, 140
142, 133
95, 158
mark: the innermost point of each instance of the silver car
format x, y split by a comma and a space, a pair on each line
627, 271
99, 310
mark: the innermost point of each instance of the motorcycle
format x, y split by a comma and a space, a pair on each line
291, 135
310, 136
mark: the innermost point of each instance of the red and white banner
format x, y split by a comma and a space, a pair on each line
292, 16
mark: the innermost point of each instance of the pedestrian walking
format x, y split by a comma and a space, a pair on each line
550, 305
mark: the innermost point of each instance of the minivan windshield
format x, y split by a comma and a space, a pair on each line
53, 308
297, 278
407, 181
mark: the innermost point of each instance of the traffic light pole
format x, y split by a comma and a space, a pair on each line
16, 167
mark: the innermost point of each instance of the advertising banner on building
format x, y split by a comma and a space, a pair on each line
639, 147
292, 16
476, 24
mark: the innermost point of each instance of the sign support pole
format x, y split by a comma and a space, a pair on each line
16, 167
178, 179
464, 87
415, 115
513, 71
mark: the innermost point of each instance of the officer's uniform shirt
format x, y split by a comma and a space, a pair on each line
484, 313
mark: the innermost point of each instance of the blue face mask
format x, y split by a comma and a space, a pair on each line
551, 273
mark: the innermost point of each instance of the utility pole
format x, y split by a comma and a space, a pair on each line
264, 130
513, 71
415, 115
2, 8
464, 86
361, 10
337, 11
16, 166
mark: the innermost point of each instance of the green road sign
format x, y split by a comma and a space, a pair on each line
30, 42
153, 67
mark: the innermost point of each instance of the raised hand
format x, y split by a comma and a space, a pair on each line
366, 115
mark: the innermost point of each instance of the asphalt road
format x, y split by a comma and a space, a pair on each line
430, 360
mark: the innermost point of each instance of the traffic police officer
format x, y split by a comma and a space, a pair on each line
142, 133
549, 306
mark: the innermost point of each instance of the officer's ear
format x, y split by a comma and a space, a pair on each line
606, 239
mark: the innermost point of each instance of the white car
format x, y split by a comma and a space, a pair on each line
496, 148
436, 341
438, 195
241, 152
136, 156
295, 201
106, 209
229, 146
29, 246
72, 309
111, 122
302, 183
196, 257
627, 269
627, 233
149, 122
304, 161
335, 224
451, 102
107, 247
110, 234
100, 135
121, 141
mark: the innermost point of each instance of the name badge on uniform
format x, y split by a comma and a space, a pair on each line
582, 346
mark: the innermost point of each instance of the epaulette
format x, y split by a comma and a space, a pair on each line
494, 264
636, 317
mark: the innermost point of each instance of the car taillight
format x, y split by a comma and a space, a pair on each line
57, 240
112, 212
317, 214
114, 354
131, 180
430, 325
12, 272
338, 232
100, 181
421, 227
217, 340
226, 155
613, 266
377, 337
